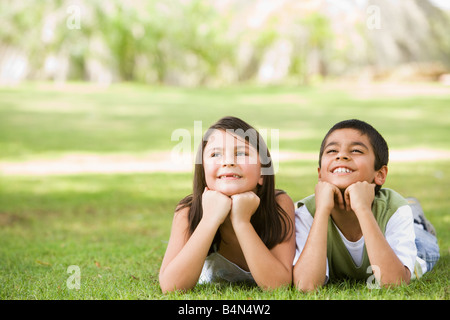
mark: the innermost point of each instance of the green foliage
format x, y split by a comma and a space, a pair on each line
199, 42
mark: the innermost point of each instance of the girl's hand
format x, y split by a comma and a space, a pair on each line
244, 206
327, 196
216, 206
359, 196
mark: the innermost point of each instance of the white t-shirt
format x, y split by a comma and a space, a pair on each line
399, 234
217, 268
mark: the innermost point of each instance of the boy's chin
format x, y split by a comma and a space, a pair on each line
342, 187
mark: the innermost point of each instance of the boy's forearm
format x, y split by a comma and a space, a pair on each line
391, 269
306, 277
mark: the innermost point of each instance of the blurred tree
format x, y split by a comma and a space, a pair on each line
200, 42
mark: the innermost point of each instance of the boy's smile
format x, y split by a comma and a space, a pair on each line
342, 170
348, 157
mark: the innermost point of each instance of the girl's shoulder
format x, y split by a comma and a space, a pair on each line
281, 195
283, 199
186, 202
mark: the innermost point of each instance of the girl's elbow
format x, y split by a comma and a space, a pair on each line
285, 281
165, 288
307, 286
165, 285
168, 285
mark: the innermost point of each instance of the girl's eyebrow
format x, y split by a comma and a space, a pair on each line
209, 149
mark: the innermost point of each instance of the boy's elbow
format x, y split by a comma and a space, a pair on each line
395, 282
403, 277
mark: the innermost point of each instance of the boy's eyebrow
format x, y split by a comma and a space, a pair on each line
354, 143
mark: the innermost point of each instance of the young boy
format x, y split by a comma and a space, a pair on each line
350, 227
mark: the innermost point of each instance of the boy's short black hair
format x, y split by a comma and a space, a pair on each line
379, 145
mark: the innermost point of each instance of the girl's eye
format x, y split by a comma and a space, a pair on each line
357, 151
331, 151
241, 154
215, 154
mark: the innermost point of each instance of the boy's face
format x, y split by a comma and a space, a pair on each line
348, 157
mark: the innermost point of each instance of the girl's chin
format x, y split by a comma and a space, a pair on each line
230, 192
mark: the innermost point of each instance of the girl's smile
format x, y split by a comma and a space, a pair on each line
231, 164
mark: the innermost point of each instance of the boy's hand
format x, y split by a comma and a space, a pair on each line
244, 206
327, 196
359, 196
216, 206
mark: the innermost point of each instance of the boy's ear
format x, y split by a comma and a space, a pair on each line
380, 175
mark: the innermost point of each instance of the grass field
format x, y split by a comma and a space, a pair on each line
115, 227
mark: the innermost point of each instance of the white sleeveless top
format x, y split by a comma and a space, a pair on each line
217, 268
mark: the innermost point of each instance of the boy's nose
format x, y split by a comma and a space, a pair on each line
341, 155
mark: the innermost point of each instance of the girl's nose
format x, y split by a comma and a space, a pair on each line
228, 159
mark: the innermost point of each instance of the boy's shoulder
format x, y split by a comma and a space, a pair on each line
308, 201
390, 198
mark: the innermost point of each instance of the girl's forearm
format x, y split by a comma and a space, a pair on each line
183, 271
266, 269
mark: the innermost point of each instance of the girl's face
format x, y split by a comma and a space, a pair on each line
231, 165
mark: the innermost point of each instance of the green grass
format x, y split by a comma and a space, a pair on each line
115, 227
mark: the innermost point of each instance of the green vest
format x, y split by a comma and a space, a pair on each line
340, 262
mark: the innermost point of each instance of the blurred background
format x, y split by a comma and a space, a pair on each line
224, 42
92, 92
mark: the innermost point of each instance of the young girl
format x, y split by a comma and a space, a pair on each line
234, 226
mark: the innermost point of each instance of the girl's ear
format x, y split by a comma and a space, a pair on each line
318, 171
261, 180
380, 175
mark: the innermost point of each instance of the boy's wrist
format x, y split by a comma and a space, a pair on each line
322, 212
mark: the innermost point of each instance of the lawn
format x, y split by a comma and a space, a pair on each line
115, 227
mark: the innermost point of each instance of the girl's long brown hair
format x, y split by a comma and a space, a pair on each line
270, 221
